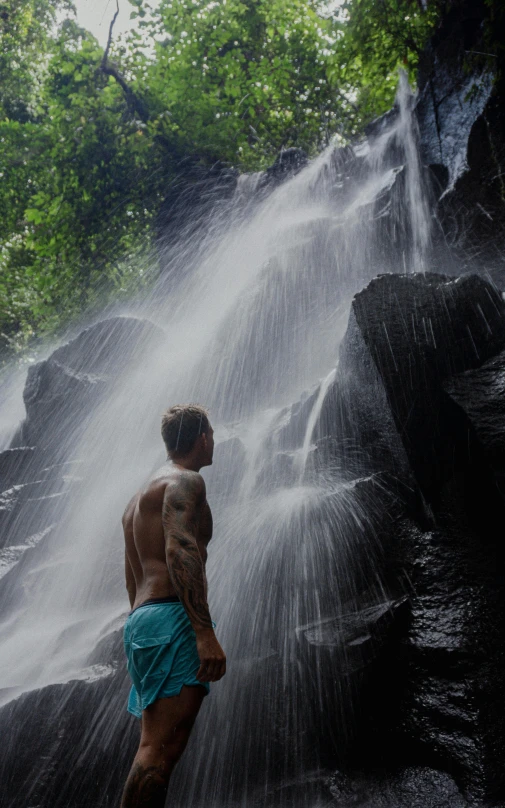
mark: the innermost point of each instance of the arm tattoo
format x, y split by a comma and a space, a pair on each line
180, 523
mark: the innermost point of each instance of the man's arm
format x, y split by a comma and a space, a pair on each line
182, 501
131, 586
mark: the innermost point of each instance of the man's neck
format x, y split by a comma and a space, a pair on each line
188, 463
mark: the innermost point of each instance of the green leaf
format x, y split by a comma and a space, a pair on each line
33, 215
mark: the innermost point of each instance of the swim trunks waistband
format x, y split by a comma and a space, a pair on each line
170, 599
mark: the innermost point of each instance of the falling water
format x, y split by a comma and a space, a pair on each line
313, 418
250, 329
417, 217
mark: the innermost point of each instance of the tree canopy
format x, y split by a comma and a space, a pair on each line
90, 140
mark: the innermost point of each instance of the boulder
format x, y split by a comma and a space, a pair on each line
419, 356
37, 472
480, 393
61, 391
74, 752
418, 330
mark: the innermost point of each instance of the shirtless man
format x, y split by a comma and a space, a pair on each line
171, 648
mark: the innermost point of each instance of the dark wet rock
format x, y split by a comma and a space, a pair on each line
283, 469
24, 492
61, 391
60, 396
409, 341
14, 464
293, 422
106, 347
71, 724
419, 330
447, 110
29, 512
412, 787
20, 501
196, 192
452, 656
110, 649
55, 396
358, 679
65, 721
356, 628
312, 788
288, 163
379, 126
481, 395
358, 439
12, 555
461, 121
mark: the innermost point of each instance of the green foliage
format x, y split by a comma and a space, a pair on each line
381, 36
24, 41
240, 79
73, 183
89, 144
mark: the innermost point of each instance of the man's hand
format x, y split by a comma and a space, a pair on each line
212, 657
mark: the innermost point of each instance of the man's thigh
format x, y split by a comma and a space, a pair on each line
172, 717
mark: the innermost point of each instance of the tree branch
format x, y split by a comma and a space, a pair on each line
109, 41
134, 102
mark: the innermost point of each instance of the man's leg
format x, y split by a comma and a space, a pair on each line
166, 727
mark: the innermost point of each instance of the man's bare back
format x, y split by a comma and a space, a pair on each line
145, 522
171, 647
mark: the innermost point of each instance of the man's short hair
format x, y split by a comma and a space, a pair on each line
181, 425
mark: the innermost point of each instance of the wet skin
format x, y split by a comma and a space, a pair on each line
145, 520
167, 527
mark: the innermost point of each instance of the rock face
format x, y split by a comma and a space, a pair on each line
288, 163
185, 211
480, 393
37, 475
61, 391
428, 351
462, 134
60, 395
421, 330
414, 418
415, 787
53, 746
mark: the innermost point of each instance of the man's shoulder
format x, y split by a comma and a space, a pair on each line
152, 492
181, 485
184, 484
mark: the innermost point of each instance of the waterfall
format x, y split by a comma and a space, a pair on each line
313, 418
250, 329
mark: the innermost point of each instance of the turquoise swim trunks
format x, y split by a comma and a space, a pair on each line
160, 646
